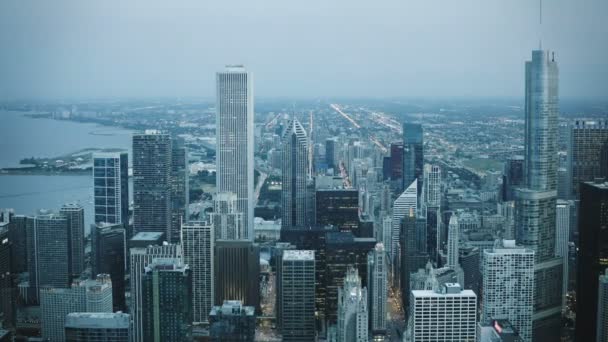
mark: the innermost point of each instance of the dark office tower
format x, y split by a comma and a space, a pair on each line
167, 301
604, 161
296, 312
592, 257
7, 293
111, 187
469, 260
237, 270
97, 327
338, 207
152, 182
49, 262
179, 189
343, 249
232, 322
294, 171
412, 258
513, 177
17, 235
413, 155
396, 169
584, 153
535, 202
108, 255
75, 215
330, 153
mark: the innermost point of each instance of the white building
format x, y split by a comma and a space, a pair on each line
227, 220
234, 134
432, 185
508, 286
445, 315
198, 248
377, 273
401, 207
353, 315
453, 240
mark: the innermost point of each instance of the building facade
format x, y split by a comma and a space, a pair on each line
198, 243
97, 326
584, 153
353, 314
109, 256
377, 268
75, 216
236, 272
294, 176
413, 154
111, 187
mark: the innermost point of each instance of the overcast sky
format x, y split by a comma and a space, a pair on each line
307, 48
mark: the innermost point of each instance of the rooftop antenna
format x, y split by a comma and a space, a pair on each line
540, 21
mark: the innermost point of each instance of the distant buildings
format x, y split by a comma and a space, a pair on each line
445, 314
294, 176
232, 322
593, 253
166, 294
152, 182
198, 243
296, 287
352, 309
234, 134
89, 327
111, 188
413, 154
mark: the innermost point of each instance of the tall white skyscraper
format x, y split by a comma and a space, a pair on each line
140, 258
353, 317
234, 134
432, 185
198, 247
445, 314
508, 286
227, 220
377, 282
453, 241
403, 204
294, 171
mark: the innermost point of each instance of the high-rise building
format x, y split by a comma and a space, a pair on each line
336, 205
140, 257
513, 177
469, 260
111, 188
198, 246
453, 242
432, 185
445, 314
402, 206
75, 215
166, 294
234, 134
508, 286
232, 322
236, 272
17, 235
227, 220
410, 257
377, 283
109, 256
294, 175
85, 296
592, 255
602, 308
396, 162
330, 153
296, 288
353, 311
535, 202
7, 293
584, 153
563, 213
152, 182
97, 326
413, 154
179, 184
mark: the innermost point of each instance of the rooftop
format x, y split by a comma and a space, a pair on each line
97, 320
298, 255
147, 236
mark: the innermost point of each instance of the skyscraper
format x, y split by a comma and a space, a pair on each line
562, 239
198, 244
294, 171
592, 257
584, 152
330, 153
179, 184
75, 215
453, 241
441, 315
353, 312
513, 177
403, 204
152, 182
140, 258
17, 235
227, 220
48, 248
111, 188
234, 134
166, 294
602, 308
410, 257
86, 296
236, 272
109, 256
97, 326
508, 286
413, 154
432, 185
297, 291
535, 202
232, 322
377, 283
7, 294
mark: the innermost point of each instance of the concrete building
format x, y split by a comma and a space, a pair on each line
296, 290
377, 283
232, 322
508, 286
227, 220
432, 185
353, 314
97, 326
111, 188
294, 176
198, 243
447, 314
234, 134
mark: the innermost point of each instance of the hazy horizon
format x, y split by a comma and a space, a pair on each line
343, 49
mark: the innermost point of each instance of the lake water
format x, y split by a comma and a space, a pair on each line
22, 137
